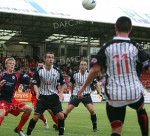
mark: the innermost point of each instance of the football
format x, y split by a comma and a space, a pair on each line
89, 4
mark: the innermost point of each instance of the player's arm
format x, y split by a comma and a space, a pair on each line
98, 88
36, 84
61, 90
2, 83
148, 69
146, 66
96, 63
72, 88
72, 83
62, 86
36, 90
144, 59
18, 75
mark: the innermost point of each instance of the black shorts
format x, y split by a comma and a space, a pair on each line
118, 113
51, 102
86, 99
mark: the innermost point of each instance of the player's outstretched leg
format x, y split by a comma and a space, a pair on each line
27, 111
90, 108
143, 121
42, 117
61, 123
1, 120
31, 126
94, 122
55, 119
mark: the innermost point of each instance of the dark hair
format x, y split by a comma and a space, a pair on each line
25, 68
123, 24
40, 61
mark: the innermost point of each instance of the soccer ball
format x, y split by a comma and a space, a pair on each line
89, 4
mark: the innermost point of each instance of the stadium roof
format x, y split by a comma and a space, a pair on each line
40, 21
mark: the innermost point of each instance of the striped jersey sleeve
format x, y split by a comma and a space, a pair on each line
144, 58
36, 79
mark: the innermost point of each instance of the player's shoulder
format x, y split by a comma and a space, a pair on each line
14, 75
76, 72
107, 44
112, 41
136, 44
56, 68
40, 68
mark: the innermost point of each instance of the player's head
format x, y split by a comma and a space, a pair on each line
10, 64
83, 65
49, 58
40, 64
25, 69
123, 24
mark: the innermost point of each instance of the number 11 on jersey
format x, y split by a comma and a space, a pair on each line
117, 58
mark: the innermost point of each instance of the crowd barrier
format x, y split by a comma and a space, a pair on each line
147, 99
25, 96
147, 95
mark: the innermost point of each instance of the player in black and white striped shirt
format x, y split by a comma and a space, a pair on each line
45, 82
77, 80
120, 56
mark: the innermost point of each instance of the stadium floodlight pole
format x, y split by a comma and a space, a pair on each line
89, 46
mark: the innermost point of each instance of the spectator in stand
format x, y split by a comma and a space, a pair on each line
1, 68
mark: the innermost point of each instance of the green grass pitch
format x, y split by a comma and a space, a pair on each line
78, 123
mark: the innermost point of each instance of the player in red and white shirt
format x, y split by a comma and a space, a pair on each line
119, 57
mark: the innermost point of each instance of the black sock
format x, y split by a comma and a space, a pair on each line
115, 134
143, 121
65, 115
31, 126
61, 126
94, 121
